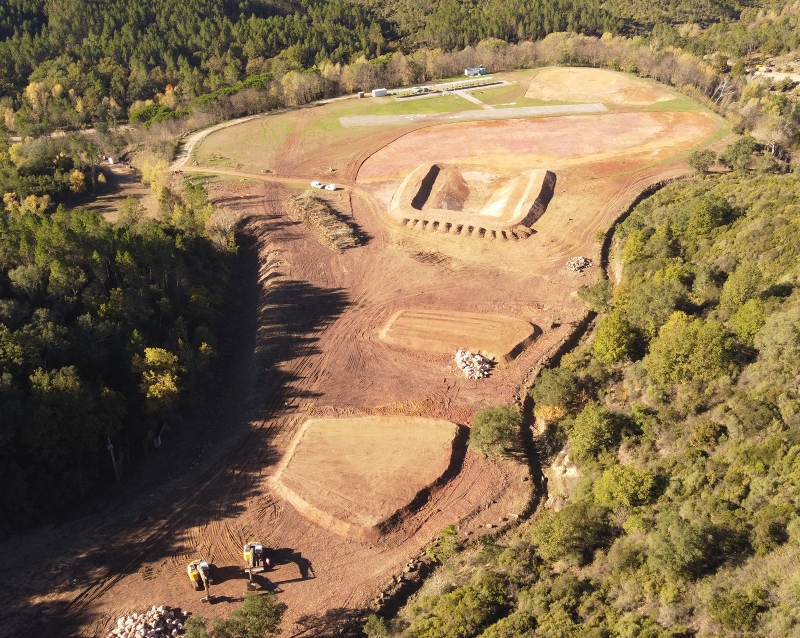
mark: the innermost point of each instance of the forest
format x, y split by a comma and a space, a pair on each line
69, 63
103, 329
679, 411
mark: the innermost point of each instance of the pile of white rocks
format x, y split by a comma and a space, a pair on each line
474, 366
578, 264
159, 622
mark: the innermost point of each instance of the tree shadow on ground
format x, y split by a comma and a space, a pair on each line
285, 556
277, 319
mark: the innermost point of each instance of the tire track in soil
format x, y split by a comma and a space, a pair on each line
246, 455
294, 141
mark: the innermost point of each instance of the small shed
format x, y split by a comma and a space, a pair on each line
361, 94
379, 93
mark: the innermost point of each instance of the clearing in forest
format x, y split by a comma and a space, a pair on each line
348, 333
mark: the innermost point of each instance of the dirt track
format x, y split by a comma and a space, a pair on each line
303, 343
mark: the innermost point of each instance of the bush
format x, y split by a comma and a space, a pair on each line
375, 627
679, 546
555, 387
462, 612
594, 432
258, 617
596, 297
495, 430
447, 545
574, 533
689, 350
701, 161
739, 155
738, 610
624, 485
742, 285
748, 320
614, 339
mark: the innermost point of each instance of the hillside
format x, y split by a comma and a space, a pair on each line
679, 423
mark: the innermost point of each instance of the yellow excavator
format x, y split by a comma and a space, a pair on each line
200, 575
255, 560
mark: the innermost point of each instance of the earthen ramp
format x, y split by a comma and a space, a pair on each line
353, 476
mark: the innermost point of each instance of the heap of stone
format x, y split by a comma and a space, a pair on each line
159, 622
578, 264
474, 366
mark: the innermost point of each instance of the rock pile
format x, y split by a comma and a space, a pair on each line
474, 366
159, 622
578, 264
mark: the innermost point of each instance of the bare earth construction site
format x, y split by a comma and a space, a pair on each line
352, 454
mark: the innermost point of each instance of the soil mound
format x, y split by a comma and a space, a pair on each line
450, 190
355, 476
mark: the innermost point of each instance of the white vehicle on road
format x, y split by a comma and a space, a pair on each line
330, 187
317, 185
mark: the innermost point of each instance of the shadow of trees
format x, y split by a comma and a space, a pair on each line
278, 320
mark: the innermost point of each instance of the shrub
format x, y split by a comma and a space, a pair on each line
748, 320
596, 297
742, 285
738, 610
555, 387
705, 432
701, 161
594, 431
462, 612
447, 545
689, 350
375, 627
679, 546
614, 339
739, 154
624, 485
650, 304
517, 625
573, 533
707, 214
495, 430
258, 617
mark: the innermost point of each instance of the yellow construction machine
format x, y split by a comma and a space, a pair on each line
255, 560
200, 575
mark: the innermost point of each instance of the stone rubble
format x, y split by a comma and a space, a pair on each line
474, 366
578, 264
158, 622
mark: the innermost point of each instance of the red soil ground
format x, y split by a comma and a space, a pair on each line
302, 341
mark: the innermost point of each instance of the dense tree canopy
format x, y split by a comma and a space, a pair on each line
102, 327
